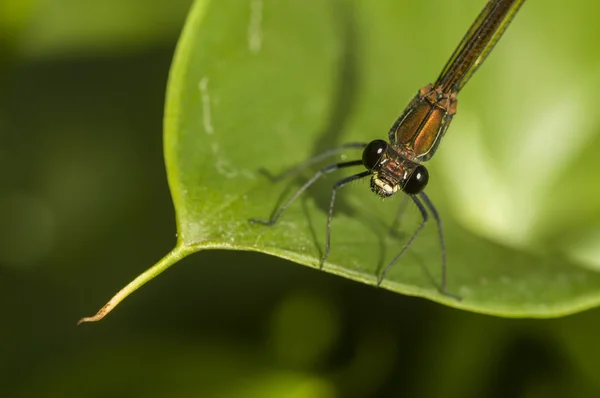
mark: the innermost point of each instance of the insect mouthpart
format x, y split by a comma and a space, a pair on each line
383, 188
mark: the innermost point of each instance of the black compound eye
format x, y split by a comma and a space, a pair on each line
417, 181
373, 152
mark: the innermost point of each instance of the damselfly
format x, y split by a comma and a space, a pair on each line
416, 134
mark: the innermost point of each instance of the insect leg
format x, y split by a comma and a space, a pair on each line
425, 216
307, 184
315, 159
438, 221
337, 186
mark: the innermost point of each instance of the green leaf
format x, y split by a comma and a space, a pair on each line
268, 84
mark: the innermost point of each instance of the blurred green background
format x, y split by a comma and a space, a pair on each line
85, 207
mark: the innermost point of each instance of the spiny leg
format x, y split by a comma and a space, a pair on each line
438, 221
315, 159
337, 186
318, 174
425, 216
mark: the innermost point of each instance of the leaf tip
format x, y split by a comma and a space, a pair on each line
99, 315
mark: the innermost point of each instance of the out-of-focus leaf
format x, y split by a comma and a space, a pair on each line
71, 26
218, 369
